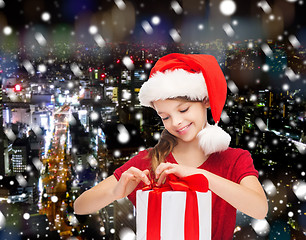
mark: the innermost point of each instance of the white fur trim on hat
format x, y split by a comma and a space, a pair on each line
171, 84
213, 139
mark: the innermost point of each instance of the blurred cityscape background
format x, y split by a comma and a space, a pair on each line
70, 73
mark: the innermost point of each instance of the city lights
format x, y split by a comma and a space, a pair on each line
70, 75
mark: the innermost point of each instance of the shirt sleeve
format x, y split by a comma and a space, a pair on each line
139, 161
244, 166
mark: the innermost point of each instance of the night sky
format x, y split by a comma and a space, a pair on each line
125, 18
29, 23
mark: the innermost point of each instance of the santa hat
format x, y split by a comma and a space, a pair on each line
194, 76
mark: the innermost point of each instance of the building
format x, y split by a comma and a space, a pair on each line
2, 165
18, 156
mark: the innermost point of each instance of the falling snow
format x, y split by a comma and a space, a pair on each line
128, 62
54, 199
45, 16
155, 20
267, 50
127, 234
120, 4
7, 30
176, 7
40, 39
99, 40
228, 30
262, 52
261, 227
93, 30
175, 35
264, 6
2, 4
294, 41
227, 7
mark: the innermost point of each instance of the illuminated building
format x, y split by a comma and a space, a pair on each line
2, 167
18, 161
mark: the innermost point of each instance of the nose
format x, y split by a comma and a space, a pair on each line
176, 121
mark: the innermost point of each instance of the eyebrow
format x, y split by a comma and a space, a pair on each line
176, 107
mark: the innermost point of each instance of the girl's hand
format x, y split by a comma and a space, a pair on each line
129, 181
165, 169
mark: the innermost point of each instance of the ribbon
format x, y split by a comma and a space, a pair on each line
189, 184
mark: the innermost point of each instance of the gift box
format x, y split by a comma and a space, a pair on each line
168, 214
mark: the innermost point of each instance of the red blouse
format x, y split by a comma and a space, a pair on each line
232, 164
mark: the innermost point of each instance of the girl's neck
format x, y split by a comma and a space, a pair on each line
188, 148
189, 154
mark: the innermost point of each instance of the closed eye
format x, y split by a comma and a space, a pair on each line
185, 110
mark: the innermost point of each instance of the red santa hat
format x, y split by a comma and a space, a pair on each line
194, 76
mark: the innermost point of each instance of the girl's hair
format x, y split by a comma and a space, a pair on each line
161, 150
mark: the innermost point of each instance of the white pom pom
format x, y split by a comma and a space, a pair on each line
213, 139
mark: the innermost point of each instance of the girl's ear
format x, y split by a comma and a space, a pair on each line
206, 103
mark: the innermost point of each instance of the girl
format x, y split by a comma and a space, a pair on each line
181, 88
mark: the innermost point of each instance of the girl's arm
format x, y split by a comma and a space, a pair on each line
109, 190
97, 197
248, 196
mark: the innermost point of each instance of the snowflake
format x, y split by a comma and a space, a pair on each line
123, 136
176, 7
120, 4
261, 227
175, 35
93, 30
54, 199
155, 20
26, 216
227, 7
147, 27
42, 68
45, 16
7, 30
2, 221
228, 30
127, 234
128, 63
40, 39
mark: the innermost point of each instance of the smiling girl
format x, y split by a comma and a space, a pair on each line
181, 88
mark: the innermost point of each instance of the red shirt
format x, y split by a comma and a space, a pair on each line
232, 164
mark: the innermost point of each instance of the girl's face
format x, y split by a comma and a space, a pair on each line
183, 119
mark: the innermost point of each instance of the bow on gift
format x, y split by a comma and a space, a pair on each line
189, 184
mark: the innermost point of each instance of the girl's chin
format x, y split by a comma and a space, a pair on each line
187, 139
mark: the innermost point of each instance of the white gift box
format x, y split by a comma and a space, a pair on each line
173, 215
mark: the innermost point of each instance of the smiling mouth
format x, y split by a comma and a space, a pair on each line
184, 128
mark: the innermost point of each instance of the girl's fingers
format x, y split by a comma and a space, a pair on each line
129, 180
161, 168
162, 171
162, 177
140, 175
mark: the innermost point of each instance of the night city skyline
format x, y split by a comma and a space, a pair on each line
70, 74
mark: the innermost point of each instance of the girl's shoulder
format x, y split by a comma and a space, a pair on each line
142, 154
142, 157
139, 160
233, 152
233, 164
